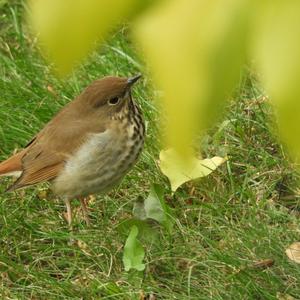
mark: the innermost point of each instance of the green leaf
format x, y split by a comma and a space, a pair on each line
139, 209
147, 233
154, 207
133, 252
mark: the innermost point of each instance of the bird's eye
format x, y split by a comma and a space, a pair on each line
113, 101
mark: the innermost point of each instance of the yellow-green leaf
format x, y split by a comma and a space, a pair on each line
277, 48
68, 29
180, 171
195, 50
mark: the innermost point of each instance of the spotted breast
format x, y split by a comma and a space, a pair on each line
103, 160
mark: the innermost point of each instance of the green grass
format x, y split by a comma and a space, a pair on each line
246, 211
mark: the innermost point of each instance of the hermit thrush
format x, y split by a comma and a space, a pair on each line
87, 147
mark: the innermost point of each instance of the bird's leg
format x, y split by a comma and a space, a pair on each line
68, 216
85, 210
69, 213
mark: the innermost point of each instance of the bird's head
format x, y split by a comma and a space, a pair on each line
109, 94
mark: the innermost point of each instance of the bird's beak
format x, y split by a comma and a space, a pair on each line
133, 79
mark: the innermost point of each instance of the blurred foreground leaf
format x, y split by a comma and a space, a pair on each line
179, 171
195, 50
68, 29
133, 252
277, 51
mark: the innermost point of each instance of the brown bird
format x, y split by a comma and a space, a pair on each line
87, 147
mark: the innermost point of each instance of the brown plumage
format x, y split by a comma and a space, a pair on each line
105, 115
12, 165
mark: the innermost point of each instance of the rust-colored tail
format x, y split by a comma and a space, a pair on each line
11, 165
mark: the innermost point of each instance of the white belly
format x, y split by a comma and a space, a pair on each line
96, 166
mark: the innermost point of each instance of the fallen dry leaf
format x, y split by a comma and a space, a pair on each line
180, 171
281, 296
263, 264
293, 252
51, 90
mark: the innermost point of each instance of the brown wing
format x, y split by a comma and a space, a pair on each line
46, 155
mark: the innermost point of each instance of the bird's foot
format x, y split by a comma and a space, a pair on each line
85, 211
